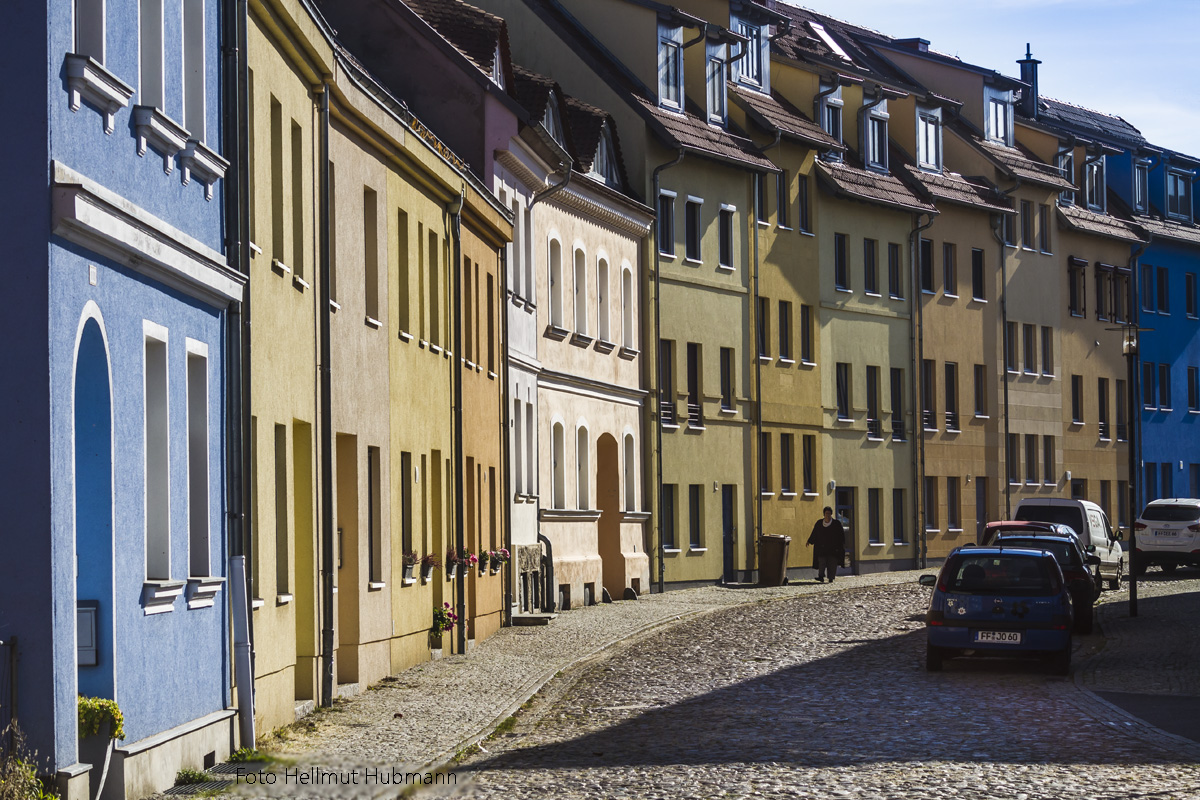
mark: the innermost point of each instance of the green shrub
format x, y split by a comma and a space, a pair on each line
188, 776
244, 754
18, 774
93, 711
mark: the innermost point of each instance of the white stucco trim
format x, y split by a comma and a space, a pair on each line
586, 387
86, 213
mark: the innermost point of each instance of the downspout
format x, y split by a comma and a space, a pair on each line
568, 167
237, 362
328, 531
916, 346
1004, 341
505, 442
658, 365
757, 186
835, 84
454, 209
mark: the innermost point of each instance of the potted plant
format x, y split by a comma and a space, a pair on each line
410, 561
429, 563
101, 723
459, 559
451, 563
499, 558
484, 556
444, 620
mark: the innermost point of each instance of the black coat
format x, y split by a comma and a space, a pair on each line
827, 540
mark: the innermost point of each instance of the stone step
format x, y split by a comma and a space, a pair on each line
533, 619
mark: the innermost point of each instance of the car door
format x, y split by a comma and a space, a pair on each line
1107, 547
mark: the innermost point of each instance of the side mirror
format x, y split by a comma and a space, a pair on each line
1120, 534
1092, 560
1091, 548
931, 580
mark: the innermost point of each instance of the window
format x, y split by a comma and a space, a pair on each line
198, 465
1066, 166
150, 53
806, 334
1167, 484
1048, 470
556, 284
749, 69
1164, 386
953, 505
297, 201
583, 468
897, 401
406, 503
666, 224
629, 338
785, 330
714, 80
1103, 287
277, 200
1151, 484
874, 535
1147, 287
666, 376
603, 327
1093, 183
841, 270
1120, 295
518, 417
581, 315
870, 267
802, 203
764, 327
831, 113
761, 212
1077, 399
999, 116
403, 272
1164, 291
1030, 332
157, 458
949, 269
1141, 187
695, 407
1076, 286
631, 460
604, 165
1179, 195
668, 516
727, 378
981, 398
874, 423
978, 285
1047, 350
283, 571
927, 266
929, 495
691, 229
1044, 228
810, 476
764, 463
895, 281
1011, 454
371, 253
1102, 408
787, 464
670, 67
843, 391
1149, 391
898, 516
695, 516
558, 464
877, 137
1193, 388
1031, 458
1122, 412
1027, 224
1008, 230
929, 141
1189, 300
781, 200
928, 404
951, 396
374, 517
725, 236
193, 68
1010, 347
90, 29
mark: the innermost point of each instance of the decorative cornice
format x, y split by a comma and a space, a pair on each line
564, 382
87, 79
207, 166
568, 515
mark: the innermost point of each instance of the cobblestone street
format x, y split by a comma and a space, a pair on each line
814, 692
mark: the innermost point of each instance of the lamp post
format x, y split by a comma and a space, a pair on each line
1129, 346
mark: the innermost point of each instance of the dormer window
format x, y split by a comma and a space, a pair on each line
877, 137
670, 67
1179, 195
929, 140
830, 114
497, 68
552, 119
604, 165
749, 68
714, 79
1141, 186
1066, 168
999, 121
1093, 188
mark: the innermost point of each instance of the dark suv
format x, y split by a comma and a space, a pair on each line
1071, 560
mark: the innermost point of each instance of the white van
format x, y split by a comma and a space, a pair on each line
1090, 522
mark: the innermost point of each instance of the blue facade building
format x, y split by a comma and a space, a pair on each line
116, 362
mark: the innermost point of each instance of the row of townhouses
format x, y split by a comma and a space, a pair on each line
320, 300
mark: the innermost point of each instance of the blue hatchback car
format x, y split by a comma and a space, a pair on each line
999, 601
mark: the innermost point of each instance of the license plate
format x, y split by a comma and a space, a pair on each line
1165, 532
998, 637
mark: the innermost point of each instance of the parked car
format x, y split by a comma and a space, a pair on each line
1167, 534
998, 601
1090, 522
1062, 543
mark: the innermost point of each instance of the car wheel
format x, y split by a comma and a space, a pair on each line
1168, 567
1060, 662
1085, 619
1114, 582
933, 658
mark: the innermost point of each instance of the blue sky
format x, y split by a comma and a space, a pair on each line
1138, 60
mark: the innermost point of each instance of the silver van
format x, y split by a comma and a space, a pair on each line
1090, 522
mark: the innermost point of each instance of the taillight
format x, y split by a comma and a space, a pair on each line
1139, 526
935, 618
1060, 622
1194, 527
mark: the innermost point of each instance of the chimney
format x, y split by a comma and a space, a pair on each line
919, 45
1029, 97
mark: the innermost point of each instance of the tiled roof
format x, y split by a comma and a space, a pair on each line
873, 187
1086, 221
692, 133
585, 123
473, 31
954, 188
803, 43
532, 91
1014, 160
776, 113
1085, 121
1167, 229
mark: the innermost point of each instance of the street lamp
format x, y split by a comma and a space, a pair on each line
1129, 347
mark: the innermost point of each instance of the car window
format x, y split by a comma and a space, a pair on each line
1064, 553
1166, 513
1001, 574
1063, 515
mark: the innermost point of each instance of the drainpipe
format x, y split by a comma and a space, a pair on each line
835, 83
568, 168
454, 209
237, 360
328, 531
505, 442
754, 311
658, 365
916, 345
1004, 340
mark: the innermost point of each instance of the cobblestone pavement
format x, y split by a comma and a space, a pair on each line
821, 694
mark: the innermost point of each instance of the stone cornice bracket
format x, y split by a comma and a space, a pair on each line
87, 79
156, 129
207, 166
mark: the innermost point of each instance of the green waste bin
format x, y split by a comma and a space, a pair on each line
773, 559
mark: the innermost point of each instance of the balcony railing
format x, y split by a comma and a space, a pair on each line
928, 420
874, 428
1122, 432
666, 410
898, 429
951, 420
695, 415
1104, 429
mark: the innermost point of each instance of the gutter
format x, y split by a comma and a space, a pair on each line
454, 209
325, 410
505, 442
916, 343
754, 312
1004, 341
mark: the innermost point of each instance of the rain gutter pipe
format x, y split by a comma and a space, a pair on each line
916, 343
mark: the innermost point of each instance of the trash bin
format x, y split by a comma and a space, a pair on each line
773, 559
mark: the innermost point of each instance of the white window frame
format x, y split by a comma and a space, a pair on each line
603, 298
995, 100
557, 298
199, 459
1094, 183
929, 154
628, 320
753, 69
1066, 167
715, 57
1141, 186
1185, 180
156, 447
875, 150
670, 54
579, 275
833, 100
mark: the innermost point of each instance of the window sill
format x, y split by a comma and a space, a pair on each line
670, 426
764, 223
409, 581
787, 228
810, 494
491, 375
87, 79
671, 550
375, 586
787, 361
729, 412
980, 300
1076, 423
844, 419
605, 346
435, 348
950, 295
158, 596
255, 250
787, 495
405, 336
556, 333
258, 603
581, 340
805, 232
874, 544
805, 362
871, 438
628, 353
765, 359
766, 494
899, 543
929, 292
284, 599
1047, 374
207, 166
955, 530
697, 549
530, 307
843, 289
872, 294
280, 267
982, 416
726, 268
202, 591
665, 254
155, 129
693, 262
300, 284
335, 306
371, 322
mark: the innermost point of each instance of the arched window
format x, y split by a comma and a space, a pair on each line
627, 308
581, 326
582, 467
602, 326
630, 474
558, 448
556, 290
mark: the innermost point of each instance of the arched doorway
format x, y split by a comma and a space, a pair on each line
96, 672
608, 501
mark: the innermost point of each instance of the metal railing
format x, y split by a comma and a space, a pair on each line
666, 410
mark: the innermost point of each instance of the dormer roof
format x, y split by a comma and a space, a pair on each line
775, 113
1089, 124
477, 34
